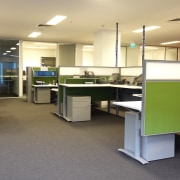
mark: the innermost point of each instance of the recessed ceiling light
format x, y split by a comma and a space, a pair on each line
34, 34
13, 48
171, 42
45, 44
55, 20
146, 29
36, 47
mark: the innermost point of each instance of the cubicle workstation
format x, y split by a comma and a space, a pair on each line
84, 82
40, 81
151, 124
99, 83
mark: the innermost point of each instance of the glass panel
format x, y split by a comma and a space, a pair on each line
9, 68
171, 54
154, 53
123, 54
132, 56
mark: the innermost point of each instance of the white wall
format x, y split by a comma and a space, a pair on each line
32, 57
87, 58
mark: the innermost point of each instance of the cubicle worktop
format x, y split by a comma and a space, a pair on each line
126, 86
45, 85
103, 85
135, 105
85, 85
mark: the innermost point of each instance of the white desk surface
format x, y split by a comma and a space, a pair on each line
85, 85
102, 85
137, 95
136, 105
126, 86
54, 89
46, 85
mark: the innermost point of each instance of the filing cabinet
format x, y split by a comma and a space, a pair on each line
42, 95
79, 108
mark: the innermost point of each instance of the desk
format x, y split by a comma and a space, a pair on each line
42, 93
143, 148
98, 92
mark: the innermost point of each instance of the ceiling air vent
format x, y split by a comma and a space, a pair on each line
175, 20
44, 25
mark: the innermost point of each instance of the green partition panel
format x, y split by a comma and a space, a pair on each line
96, 93
46, 79
68, 79
162, 107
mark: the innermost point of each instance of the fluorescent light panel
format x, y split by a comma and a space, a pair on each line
55, 20
146, 29
13, 48
36, 47
171, 42
34, 34
45, 44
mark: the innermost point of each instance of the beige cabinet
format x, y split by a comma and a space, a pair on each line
42, 95
79, 108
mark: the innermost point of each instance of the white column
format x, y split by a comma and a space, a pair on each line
20, 88
78, 55
105, 48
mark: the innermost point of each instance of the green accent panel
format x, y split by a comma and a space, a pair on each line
68, 79
36, 68
62, 78
96, 93
162, 108
52, 69
49, 69
47, 80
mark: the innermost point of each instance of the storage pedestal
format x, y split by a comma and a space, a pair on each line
78, 108
42, 95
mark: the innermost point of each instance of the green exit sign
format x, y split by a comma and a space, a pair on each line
132, 45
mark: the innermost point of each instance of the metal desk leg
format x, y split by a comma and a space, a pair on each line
132, 137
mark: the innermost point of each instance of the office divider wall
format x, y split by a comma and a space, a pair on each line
161, 99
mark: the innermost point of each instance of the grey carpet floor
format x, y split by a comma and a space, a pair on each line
35, 144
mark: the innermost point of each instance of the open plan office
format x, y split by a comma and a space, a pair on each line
147, 96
